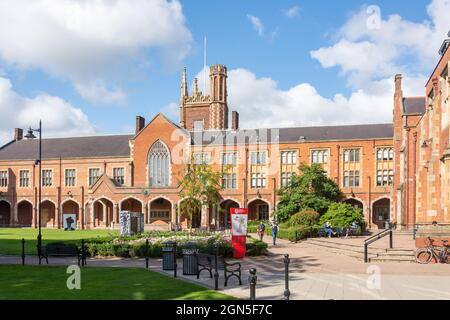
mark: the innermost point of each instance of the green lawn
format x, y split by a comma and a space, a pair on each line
49, 283
10, 238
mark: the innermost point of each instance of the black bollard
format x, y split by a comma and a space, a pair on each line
146, 254
175, 266
252, 280
287, 293
83, 253
216, 272
23, 251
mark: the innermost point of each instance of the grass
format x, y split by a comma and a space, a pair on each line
10, 238
49, 283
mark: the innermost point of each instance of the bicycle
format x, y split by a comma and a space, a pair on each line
427, 254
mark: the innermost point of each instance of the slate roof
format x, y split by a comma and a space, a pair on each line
414, 105
79, 147
298, 134
118, 145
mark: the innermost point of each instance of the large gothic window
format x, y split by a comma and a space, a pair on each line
159, 165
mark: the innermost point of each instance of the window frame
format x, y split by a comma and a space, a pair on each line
5, 178
89, 175
28, 178
74, 178
42, 178
123, 177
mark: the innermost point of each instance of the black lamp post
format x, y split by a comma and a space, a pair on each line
30, 135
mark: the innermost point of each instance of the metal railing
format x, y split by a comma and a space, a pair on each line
375, 238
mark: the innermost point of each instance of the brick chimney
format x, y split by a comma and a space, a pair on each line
398, 85
140, 124
18, 134
235, 120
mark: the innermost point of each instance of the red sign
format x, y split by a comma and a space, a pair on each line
239, 219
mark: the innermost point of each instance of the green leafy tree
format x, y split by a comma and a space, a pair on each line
311, 189
342, 215
199, 187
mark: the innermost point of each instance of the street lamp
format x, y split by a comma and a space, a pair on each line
30, 136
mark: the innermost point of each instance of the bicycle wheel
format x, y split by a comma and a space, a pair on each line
424, 255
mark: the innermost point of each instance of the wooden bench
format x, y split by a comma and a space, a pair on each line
208, 262
62, 250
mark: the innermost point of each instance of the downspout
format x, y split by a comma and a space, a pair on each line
414, 180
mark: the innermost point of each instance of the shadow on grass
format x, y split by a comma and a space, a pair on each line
50, 283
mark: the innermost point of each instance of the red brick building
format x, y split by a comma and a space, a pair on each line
422, 148
97, 177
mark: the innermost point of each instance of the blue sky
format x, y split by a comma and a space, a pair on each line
300, 68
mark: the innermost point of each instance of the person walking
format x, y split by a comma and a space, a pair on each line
274, 232
261, 229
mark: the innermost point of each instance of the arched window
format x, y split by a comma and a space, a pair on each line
159, 165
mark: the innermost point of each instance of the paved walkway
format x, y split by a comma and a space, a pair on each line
314, 274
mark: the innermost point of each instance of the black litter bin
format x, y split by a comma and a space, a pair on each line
169, 254
190, 267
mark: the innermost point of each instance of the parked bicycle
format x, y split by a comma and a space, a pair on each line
430, 252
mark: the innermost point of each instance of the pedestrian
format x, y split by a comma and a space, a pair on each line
274, 232
261, 229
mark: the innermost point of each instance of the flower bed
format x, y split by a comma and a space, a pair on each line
135, 246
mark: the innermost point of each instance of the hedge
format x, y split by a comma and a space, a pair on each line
100, 247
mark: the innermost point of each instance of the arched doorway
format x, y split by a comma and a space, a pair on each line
103, 212
5, 213
25, 213
355, 203
71, 207
47, 214
131, 204
224, 215
258, 210
160, 212
196, 220
381, 212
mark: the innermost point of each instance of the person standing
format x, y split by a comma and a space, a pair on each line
261, 229
274, 232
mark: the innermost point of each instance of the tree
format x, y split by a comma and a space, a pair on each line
199, 187
311, 189
343, 215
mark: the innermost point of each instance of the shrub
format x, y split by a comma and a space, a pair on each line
342, 215
304, 218
297, 233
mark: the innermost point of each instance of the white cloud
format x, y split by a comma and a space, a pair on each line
59, 117
396, 45
368, 58
261, 103
91, 41
97, 92
292, 12
257, 24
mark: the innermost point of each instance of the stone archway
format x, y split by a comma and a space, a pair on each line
355, 203
5, 213
47, 217
131, 204
25, 213
71, 207
103, 212
160, 210
381, 212
224, 219
196, 220
258, 209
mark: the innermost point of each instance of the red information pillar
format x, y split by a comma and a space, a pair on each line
239, 219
